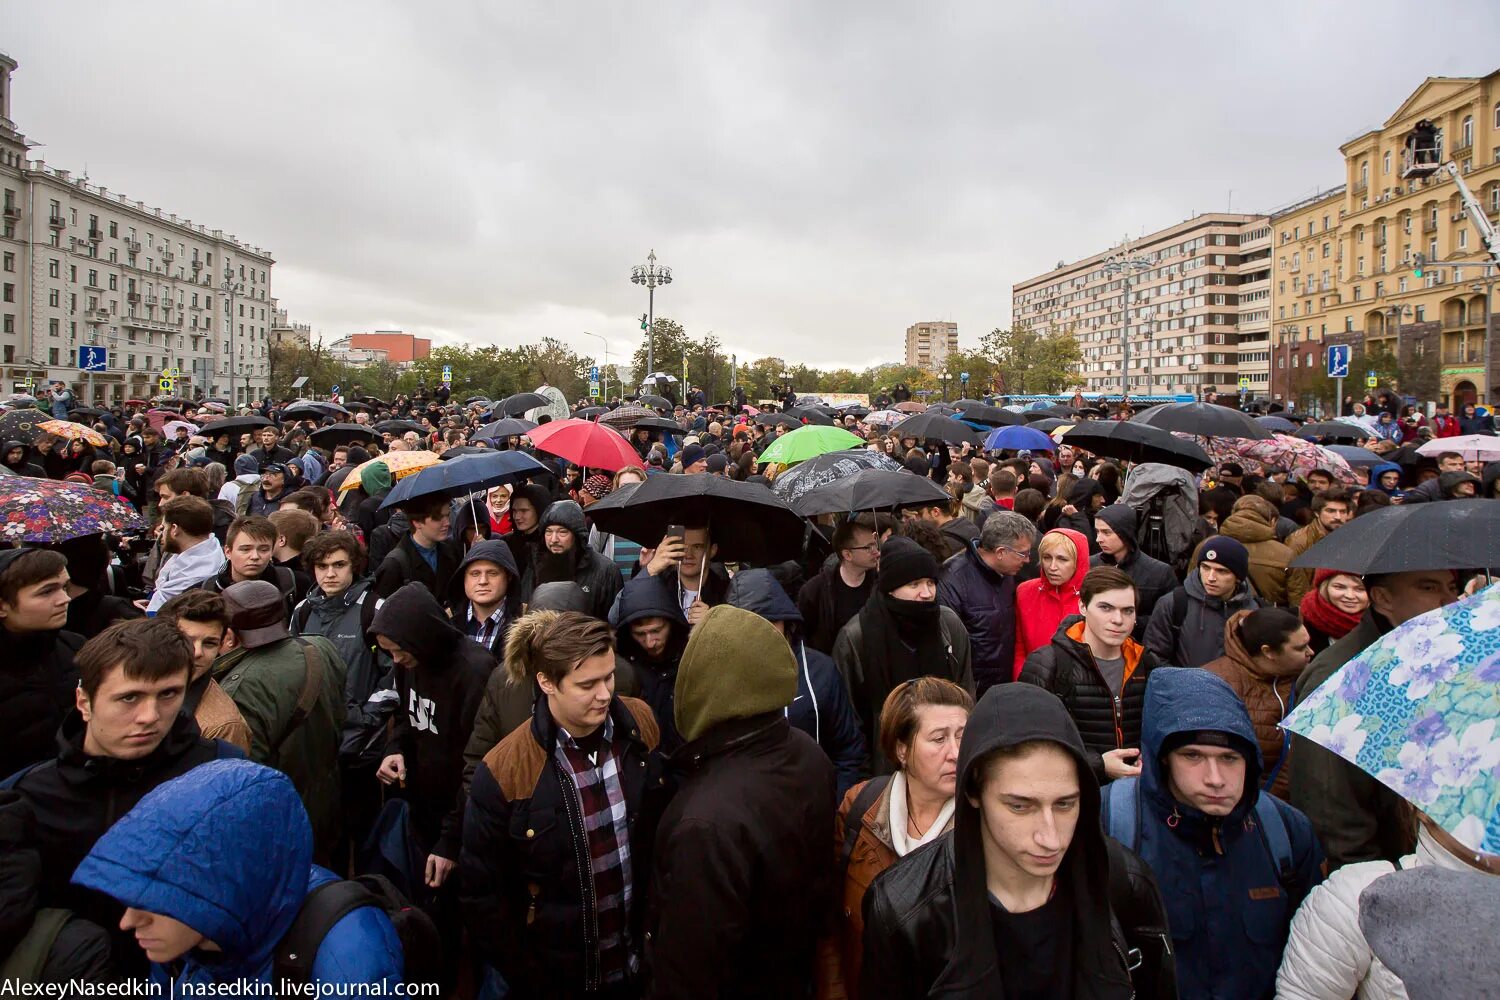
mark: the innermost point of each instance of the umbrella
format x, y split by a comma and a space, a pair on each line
1019, 439
992, 415
1334, 430
967, 403
1454, 534
809, 442
356, 405
521, 402
815, 473
465, 474
47, 511
233, 426
70, 431
659, 402
401, 464
171, 427
465, 449
1037, 416
626, 416
871, 489
158, 418
1419, 711
1134, 442
332, 437
747, 522
810, 400
1280, 425
22, 425
1058, 410
398, 426
555, 405
808, 415
586, 443
1473, 447
1294, 454
1205, 419
661, 424
590, 412
509, 427
884, 418
941, 408
909, 407
1356, 457
304, 409
1051, 424
777, 420
935, 427
476, 399
85, 412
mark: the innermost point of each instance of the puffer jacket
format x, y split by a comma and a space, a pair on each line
196, 850
1252, 522
1066, 667
526, 898
1327, 956
1041, 607
1201, 637
1227, 906
1267, 696
985, 602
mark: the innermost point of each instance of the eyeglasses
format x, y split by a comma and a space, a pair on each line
875, 546
1023, 556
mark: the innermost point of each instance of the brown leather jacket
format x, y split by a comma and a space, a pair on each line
1267, 697
219, 718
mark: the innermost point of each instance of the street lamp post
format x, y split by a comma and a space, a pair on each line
1125, 265
603, 368
228, 287
651, 275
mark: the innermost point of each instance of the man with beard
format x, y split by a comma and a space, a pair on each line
194, 555
565, 555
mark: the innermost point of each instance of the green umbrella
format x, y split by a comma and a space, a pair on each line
809, 442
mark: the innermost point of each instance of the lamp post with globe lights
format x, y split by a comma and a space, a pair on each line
651, 275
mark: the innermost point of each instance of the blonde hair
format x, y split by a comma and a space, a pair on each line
552, 643
1052, 540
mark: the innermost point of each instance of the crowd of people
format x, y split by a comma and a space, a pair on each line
1025, 740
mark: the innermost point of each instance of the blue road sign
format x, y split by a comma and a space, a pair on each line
93, 359
1338, 360
963, 376
335, 390
594, 374
448, 374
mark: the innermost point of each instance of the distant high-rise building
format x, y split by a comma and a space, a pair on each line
929, 344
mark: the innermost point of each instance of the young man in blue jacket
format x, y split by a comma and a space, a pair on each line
1233, 861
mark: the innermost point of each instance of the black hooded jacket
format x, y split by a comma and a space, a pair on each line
37, 678
648, 597
436, 702
499, 553
523, 543
928, 926
1153, 578
597, 576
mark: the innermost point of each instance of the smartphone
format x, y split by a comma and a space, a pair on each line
676, 531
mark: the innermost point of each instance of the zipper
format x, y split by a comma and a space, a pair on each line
1124, 964
1116, 705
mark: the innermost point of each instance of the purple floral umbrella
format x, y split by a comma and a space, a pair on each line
43, 511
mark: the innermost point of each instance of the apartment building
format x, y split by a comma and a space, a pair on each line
83, 265
929, 344
385, 345
285, 331
1344, 260
1189, 286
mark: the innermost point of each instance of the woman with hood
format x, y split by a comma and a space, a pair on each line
1386, 477
528, 502
1333, 606
210, 896
1026, 897
1043, 603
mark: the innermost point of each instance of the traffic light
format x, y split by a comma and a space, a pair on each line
643, 321
1418, 264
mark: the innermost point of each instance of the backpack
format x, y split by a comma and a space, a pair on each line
325, 906
1152, 536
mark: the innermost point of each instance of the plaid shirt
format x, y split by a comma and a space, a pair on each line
483, 632
601, 798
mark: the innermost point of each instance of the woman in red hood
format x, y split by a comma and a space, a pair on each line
1043, 603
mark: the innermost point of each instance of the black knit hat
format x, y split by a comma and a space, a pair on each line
1227, 552
903, 561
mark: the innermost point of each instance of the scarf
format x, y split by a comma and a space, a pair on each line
1323, 616
900, 842
902, 640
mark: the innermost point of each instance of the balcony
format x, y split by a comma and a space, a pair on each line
168, 256
95, 235
57, 222
1360, 188
1472, 356
133, 297
96, 315
134, 246
1429, 226
143, 323
12, 211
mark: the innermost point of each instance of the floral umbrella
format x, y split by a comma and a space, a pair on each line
70, 431
1420, 711
884, 418
47, 511
1296, 455
401, 464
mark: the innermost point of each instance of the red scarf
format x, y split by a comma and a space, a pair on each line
1323, 616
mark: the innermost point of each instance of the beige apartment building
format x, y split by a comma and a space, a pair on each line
929, 344
1344, 259
1199, 308
83, 265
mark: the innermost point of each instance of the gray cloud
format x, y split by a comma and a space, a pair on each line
819, 176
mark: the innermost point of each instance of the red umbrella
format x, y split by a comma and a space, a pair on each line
585, 443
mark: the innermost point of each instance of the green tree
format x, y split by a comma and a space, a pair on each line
1030, 362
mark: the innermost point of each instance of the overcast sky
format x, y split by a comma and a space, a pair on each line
819, 175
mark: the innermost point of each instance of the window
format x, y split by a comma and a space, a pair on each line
10, 292
114, 282
114, 230
53, 328
1463, 239
54, 298
1385, 162
93, 279
53, 355
1466, 132
54, 266
1420, 316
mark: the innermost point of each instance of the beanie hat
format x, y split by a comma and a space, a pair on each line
903, 561
597, 487
735, 666
1121, 520
717, 463
692, 455
1228, 553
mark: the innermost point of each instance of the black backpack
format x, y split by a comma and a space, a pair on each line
325, 906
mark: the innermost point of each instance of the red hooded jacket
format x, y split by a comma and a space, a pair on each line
1041, 607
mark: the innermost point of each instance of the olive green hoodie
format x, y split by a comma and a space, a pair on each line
736, 665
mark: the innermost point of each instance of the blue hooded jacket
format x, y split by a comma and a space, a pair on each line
196, 850
822, 708
1383, 467
1228, 912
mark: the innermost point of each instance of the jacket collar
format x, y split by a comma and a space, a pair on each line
546, 731
729, 737
79, 766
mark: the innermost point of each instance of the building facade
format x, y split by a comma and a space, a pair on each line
1190, 286
929, 344
285, 331
399, 348
87, 266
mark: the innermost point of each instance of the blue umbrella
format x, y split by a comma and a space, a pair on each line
1420, 711
1019, 439
1280, 425
466, 474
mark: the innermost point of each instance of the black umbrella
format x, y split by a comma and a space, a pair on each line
398, 426
85, 412
871, 489
374, 401
747, 522
590, 412
476, 399
521, 402
990, 416
509, 427
21, 425
810, 414
823, 470
1408, 455
1059, 410
966, 403
661, 424
337, 434
233, 426
1279, 424
1205, 419
1051, 424
1454, 534
935, 427
366, 407
304, 409
941, 408
659, 402
777, 419
1137, 443
1333, 430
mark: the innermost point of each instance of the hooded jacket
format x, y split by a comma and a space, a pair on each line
1153, 578
648, 597
25, 467
436, 703
1081, 495
405, 564
1041, 607
1268, 696
499, 553
1380, 469
37, 678
985, 602
523, 544
1252, 523
196, 850
928, 926
597, 576
742, 882
821, 708
1449, 482
344, 620
1201, 637
1227, 907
